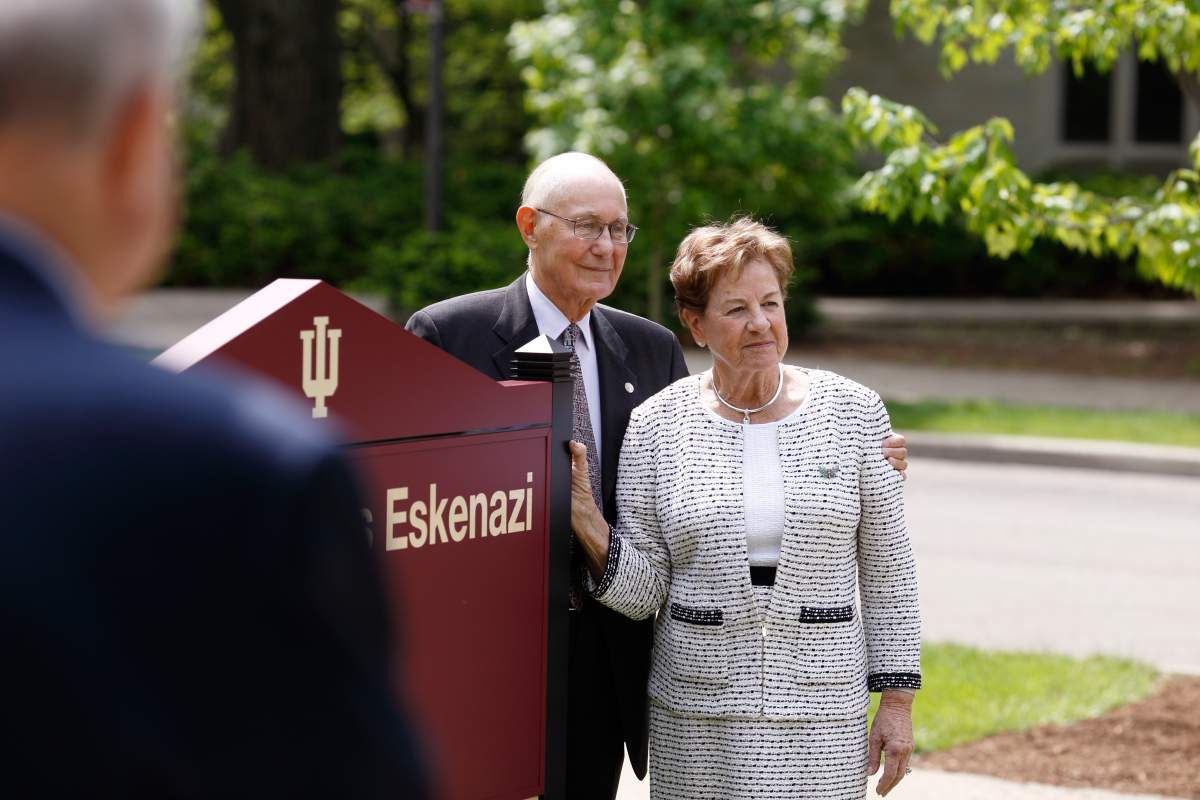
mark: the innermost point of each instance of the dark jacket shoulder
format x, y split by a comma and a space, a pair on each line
467, 312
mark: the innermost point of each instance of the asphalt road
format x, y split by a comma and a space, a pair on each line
1063, 560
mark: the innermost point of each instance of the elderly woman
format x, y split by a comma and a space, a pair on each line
756, 519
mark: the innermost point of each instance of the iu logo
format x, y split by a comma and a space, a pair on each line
320, 379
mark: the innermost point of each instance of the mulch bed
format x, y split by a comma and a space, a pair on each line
1148, 747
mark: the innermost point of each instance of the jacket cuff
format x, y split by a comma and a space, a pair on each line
610, 567
878, 681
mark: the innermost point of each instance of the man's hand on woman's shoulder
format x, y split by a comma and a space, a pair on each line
895, 450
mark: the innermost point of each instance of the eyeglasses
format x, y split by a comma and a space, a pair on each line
619, 232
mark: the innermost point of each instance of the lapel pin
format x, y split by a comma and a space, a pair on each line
629, 388
829, 472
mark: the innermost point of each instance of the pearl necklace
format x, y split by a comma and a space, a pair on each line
746, 412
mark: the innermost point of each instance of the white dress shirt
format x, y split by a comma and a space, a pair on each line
552, 322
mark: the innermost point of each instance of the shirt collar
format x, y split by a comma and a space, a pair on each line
550, 320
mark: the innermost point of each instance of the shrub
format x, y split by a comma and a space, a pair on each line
340, 222
425, 267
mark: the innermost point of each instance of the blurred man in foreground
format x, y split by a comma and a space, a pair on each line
187, 604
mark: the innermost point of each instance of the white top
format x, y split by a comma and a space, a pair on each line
762, 489
552, 322
763, 495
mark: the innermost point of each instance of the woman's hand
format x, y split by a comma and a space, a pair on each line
589, 525
891, 738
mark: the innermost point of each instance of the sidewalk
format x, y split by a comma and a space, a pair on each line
927, 784
858, 310
159, 318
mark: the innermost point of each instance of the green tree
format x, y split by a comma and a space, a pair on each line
972, 174
703, 107
386, 70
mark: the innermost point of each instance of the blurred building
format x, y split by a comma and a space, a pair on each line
1133, 118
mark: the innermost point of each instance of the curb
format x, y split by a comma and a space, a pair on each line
1050, 452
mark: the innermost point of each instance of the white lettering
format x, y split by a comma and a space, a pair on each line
529, 502
395, 518
496, 526
455, 518
515, 523
478, 512
436, 509
416, 514
458, 515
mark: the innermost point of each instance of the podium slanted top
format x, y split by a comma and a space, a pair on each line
350, 363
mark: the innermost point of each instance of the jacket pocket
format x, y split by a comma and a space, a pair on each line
697, 650
829, 645
697, 616
812, 615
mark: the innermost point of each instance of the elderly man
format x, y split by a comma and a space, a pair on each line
189, 608
574, 219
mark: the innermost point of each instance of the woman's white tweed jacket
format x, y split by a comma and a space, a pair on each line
679, 549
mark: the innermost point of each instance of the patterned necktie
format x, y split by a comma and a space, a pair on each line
581, 426
581, 431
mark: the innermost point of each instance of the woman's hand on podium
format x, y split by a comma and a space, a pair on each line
590, 528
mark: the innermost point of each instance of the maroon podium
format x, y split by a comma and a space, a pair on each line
468, 509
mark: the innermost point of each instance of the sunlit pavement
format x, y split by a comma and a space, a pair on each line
933, 785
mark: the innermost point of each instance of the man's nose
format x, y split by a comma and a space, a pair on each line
600, 243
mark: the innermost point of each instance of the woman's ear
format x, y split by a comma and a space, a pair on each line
692, 320
527, 225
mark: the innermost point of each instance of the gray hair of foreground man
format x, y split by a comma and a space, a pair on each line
71, 63
552, 179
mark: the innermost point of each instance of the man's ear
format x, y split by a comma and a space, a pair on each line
132, 143
526, 224
138, 181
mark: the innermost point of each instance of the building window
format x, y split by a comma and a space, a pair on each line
1088, 98
1159, 105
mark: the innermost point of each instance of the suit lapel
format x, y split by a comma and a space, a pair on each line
616, 399
515, 326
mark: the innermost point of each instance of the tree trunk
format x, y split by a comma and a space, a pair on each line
1189, 84
401, 79
433, 119
390, 51
287, 97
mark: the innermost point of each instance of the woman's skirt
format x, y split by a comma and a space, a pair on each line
707, 758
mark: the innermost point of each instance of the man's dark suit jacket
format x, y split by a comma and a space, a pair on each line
635, 358
187, 605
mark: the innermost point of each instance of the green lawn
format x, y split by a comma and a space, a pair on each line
969, 693
985, 416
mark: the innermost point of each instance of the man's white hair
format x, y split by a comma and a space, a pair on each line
73, 62
551, 179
